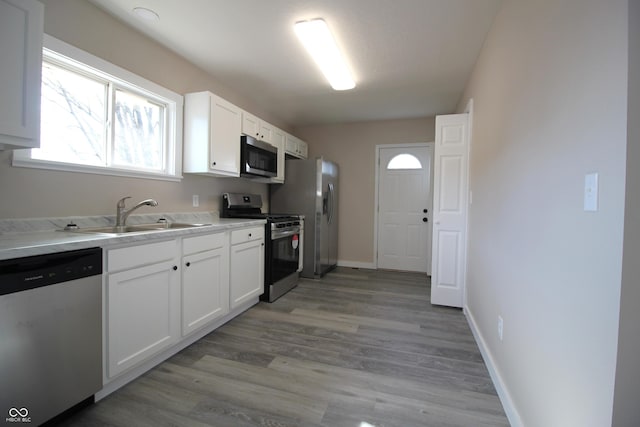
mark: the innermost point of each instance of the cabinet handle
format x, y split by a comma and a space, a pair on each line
175, 267
188, 264
213, 164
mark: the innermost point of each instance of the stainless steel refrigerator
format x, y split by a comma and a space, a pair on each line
311, 189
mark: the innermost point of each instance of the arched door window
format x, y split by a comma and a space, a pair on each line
404, 161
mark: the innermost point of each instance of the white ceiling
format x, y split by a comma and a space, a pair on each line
410, 58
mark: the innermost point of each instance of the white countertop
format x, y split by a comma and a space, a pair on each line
18, 242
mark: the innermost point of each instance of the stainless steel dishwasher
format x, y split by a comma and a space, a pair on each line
50, 333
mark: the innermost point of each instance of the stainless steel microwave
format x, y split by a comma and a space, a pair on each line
257, 158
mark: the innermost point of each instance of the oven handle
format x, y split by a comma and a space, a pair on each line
278, 234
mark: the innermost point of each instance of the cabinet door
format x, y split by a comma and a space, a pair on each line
259, 129
278, 142
205, 288
302, 149
225, 137
291, 145
142, 314
250, 125
21, 28
247, 271
265, 131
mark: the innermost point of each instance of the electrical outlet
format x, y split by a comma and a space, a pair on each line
500, 327
196, 200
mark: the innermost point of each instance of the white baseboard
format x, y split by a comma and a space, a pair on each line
356, 264
503, 393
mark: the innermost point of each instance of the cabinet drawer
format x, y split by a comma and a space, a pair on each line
133, 256
192, 245
247, 235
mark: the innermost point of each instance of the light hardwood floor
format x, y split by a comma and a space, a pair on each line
358, 348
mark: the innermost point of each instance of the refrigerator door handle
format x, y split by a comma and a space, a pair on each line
331, 203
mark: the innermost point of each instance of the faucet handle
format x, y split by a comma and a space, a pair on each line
121, 202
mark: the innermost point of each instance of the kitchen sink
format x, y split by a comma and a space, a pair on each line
138, 228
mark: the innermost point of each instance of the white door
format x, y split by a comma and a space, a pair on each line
450, 205
404, 189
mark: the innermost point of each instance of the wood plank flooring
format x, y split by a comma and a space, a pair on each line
358, 348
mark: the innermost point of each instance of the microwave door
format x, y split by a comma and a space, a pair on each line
258, 158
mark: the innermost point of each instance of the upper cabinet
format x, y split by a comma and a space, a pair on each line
257, 128
21, 29
279, 138
212, 129
296, 147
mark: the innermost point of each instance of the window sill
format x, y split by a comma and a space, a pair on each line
19, 160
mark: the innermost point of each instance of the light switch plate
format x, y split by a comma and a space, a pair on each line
591, 192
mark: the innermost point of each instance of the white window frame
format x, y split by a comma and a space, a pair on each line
127, 80
402, 159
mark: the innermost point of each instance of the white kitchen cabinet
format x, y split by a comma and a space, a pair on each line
256, 127
279, 142
142, 303
247, 265
212, 129
21, 29
295, 147
205, 280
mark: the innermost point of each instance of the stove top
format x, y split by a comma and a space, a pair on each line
235, 205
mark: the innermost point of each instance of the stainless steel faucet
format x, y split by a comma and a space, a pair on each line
122, 214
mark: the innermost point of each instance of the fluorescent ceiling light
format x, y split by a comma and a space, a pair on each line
319, 42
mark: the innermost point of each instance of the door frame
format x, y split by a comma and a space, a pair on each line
469, 110
430, 145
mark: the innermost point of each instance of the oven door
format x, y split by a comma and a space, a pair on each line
285, 253
257, 158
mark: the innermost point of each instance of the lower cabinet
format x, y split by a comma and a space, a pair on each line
158, 295
247, 265
143, 304
205, 280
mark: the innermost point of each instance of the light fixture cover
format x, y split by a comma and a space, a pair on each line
317, 39
146, 14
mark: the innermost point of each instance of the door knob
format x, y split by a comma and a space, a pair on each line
425, 210
425, 219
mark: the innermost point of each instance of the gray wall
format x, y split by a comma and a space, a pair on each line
550, 96
353, 147
40, 193
626, 410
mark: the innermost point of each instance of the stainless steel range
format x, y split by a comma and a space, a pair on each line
282, 242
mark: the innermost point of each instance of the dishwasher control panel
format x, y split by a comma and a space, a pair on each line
21, 274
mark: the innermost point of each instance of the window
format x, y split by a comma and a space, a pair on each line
404, 161
99, 118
